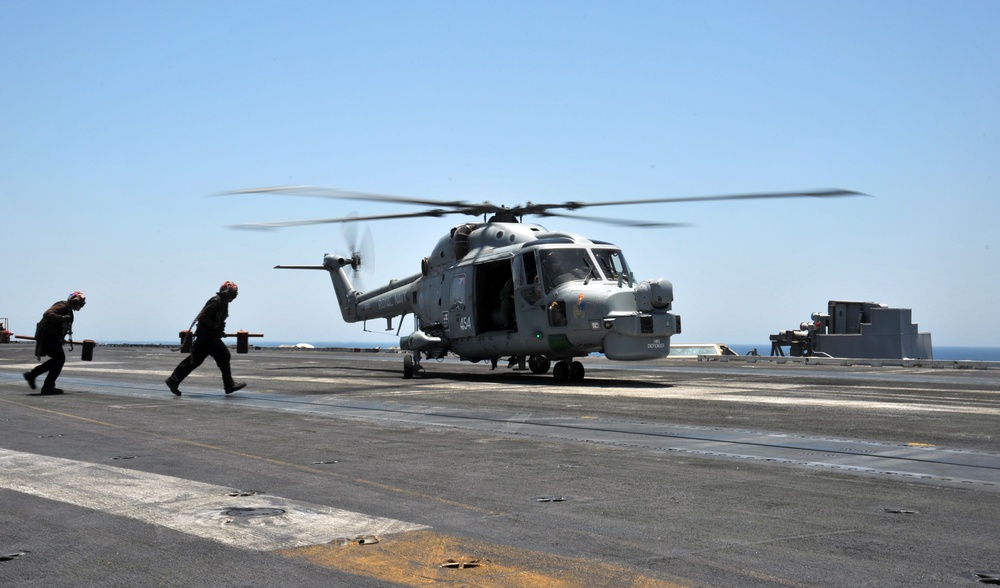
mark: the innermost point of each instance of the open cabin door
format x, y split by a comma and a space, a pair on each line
495, 296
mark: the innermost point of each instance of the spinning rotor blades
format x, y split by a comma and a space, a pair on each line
346, 219
362, 250
447, 207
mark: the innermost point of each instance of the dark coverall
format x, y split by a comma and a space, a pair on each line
208, 341
56, 322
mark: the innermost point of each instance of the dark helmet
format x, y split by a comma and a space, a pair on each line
77, 298
229, 288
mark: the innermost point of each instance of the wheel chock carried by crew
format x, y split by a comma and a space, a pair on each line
187, 336
87, 346
242, 340
5, 333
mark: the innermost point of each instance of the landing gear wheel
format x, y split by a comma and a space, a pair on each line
561, 372
407, 367
538, 364
576, 372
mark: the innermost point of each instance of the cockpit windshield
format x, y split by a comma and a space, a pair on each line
566, 265
612, 263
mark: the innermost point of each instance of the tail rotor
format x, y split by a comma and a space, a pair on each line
361, 251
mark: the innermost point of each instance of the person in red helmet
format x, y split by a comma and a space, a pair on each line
56, 323
208, 342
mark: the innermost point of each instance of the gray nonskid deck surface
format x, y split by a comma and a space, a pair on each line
675, 472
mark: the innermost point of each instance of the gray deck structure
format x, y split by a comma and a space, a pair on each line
857, 330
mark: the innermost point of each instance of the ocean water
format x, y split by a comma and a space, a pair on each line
947, 353
944, 353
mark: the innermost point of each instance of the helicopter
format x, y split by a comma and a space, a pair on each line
505, 288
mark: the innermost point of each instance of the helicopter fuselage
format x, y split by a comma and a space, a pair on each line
496, 289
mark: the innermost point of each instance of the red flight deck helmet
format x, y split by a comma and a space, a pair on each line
77, 299
230, 289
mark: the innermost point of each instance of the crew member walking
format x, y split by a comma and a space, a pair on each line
56, 323
208, 341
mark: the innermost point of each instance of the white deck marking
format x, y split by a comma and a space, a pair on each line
918, 399
187, 506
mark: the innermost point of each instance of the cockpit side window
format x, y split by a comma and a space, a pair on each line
526, 278
530, 269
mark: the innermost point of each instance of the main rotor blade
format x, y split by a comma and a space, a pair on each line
618, 222
531, 208
337, 194
446, 207
346, 219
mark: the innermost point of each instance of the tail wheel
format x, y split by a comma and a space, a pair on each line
538, 364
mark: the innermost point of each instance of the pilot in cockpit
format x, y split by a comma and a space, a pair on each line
559, 267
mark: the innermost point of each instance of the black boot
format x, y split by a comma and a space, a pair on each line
173, 384
235, 386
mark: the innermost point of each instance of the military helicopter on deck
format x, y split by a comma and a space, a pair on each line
505, 288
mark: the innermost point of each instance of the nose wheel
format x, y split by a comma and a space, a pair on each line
566, 371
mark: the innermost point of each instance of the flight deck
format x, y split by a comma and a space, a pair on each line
331, 469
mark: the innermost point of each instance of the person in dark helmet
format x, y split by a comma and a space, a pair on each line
208, 342
56, 323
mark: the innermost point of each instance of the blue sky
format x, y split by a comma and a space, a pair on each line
119, 120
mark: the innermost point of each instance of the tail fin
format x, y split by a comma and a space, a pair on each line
347, 295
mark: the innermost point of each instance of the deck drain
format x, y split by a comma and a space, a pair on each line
12, 556
900, 511
359, 540
461, 564
240, 511
48, 436
552, 499
324, 462
125, 457
991, 578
